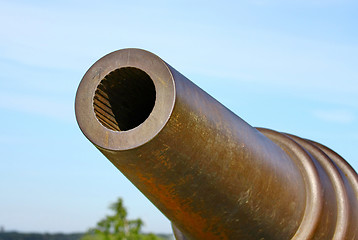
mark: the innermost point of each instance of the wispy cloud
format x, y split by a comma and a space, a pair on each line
30, 104
13, 140
335, 115
304, 2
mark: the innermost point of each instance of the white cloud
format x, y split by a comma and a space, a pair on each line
13, 140
30, 104
318, 3
335, 115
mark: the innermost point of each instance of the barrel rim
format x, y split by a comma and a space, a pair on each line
163, 80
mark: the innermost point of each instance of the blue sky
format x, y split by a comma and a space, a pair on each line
286, 65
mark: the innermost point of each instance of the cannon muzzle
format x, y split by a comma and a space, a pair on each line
211, 173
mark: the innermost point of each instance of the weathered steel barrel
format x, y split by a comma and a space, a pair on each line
211, 173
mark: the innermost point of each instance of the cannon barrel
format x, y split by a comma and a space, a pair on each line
211, 173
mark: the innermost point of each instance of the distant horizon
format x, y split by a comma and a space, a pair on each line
79, 232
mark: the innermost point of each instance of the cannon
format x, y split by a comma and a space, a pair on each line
208, 171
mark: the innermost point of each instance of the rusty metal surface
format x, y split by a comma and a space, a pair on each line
177, 233
212, 174
334, 215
